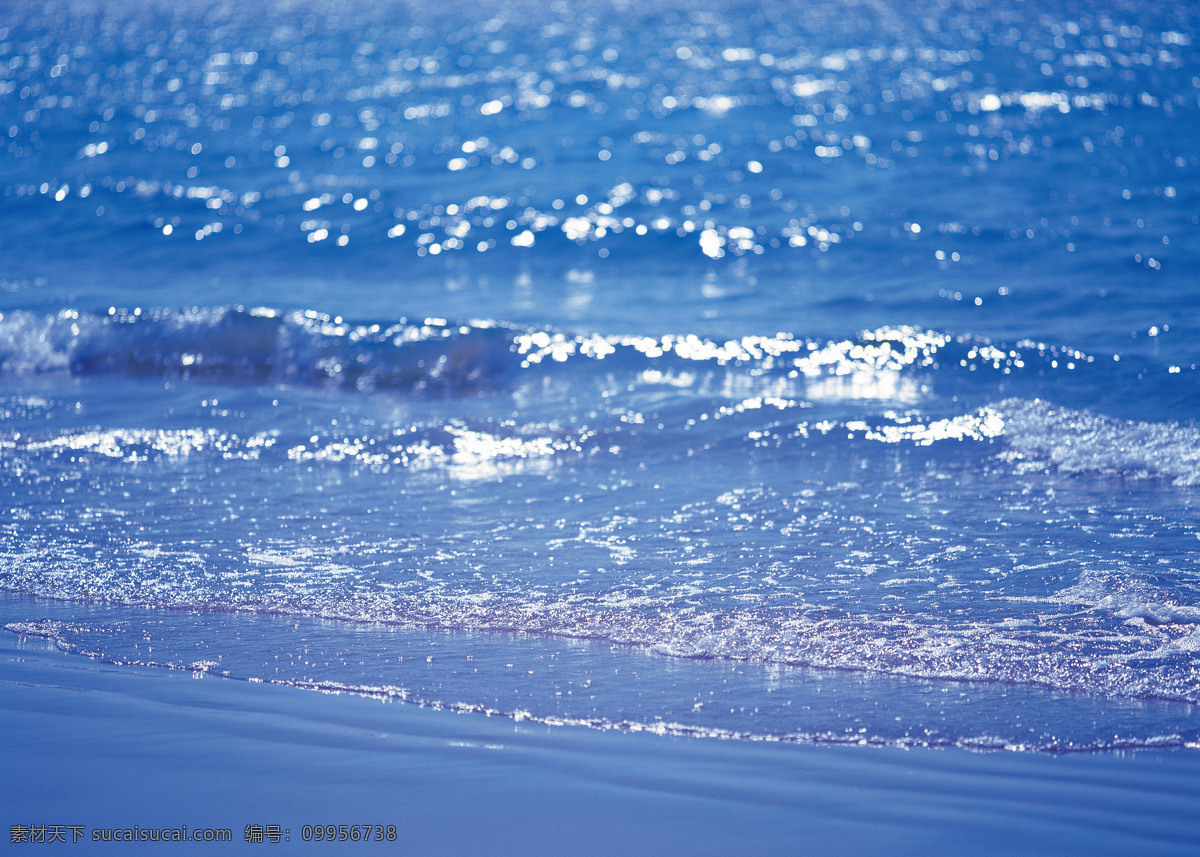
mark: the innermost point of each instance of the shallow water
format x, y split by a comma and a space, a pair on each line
730, 372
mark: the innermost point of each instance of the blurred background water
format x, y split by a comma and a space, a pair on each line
807, 372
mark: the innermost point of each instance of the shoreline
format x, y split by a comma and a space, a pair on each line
102, 747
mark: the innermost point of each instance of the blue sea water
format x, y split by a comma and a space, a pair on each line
817, 372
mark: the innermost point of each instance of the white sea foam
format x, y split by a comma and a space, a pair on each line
1074, 442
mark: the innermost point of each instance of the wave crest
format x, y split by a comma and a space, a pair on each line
1042, 435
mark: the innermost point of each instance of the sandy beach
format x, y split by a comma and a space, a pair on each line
100, 747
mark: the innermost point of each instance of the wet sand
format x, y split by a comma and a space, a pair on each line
101, 746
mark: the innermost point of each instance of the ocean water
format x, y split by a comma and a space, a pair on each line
815, 373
